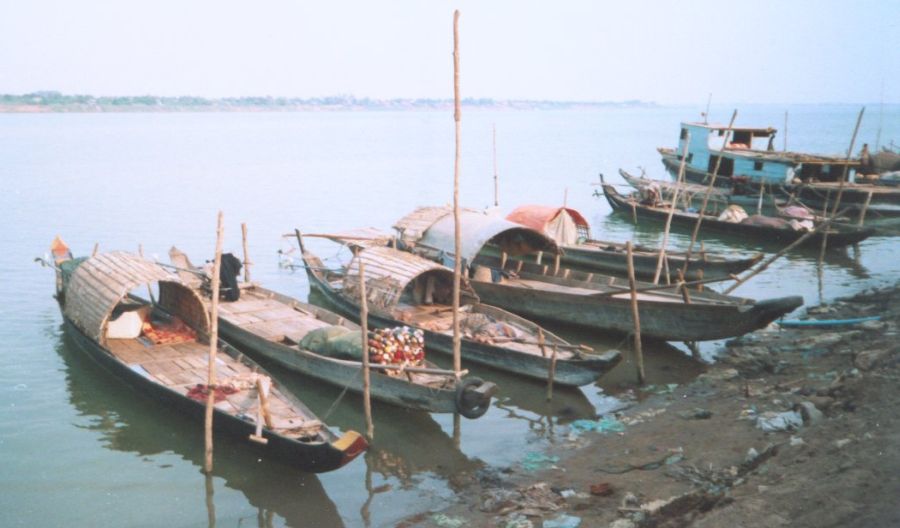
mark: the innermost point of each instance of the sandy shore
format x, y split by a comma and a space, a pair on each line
698, 454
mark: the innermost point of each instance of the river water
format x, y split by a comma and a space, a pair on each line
79, 448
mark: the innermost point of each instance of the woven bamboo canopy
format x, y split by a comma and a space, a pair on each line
433, 227
389, 272
99, 283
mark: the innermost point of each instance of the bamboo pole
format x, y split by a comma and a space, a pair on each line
96, 248
865, 207
540, 342
551, 374
457, 245
840, 193
364, 328
213, 348
679, 180
762, 189
210, 502
496, 176
246, 253
150, 286
709, 188
639, 355
762, 267
785, 130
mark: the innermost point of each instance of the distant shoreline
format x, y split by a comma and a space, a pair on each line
45, 102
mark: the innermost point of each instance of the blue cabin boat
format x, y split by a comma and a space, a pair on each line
749, 156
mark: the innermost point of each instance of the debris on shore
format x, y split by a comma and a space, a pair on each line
789, 427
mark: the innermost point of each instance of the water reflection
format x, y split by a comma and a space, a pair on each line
129, 422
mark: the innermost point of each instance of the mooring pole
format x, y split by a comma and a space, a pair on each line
678, 181
213, 348
551, 374
709, 189
457, 244
364, 329
840, 193
246, 253
638, 353
496, 174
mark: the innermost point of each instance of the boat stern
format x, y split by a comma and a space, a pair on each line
351, 444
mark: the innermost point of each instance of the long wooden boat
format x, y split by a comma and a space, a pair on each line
838, 234
403, 289
158, 349
748, 158
551, 292
571, 232
272, 325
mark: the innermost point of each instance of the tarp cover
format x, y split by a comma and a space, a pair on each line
563, 224
434, 227
100, 282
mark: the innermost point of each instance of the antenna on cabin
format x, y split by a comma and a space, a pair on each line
706, 114
880, 117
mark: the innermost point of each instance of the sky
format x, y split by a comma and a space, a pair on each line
668, 52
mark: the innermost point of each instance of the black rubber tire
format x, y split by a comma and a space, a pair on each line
464, 405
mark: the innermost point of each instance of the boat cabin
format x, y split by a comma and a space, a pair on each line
749, 154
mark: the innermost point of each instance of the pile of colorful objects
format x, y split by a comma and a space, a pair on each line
397, 346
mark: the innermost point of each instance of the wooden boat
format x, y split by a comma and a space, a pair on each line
550, 292
571, 232
271, 325
630, 206
399, 285
158, 349
748, 157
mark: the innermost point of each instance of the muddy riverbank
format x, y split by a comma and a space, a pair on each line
789, 427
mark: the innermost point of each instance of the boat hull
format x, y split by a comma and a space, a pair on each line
666, 321
816, 195
569, 372
842, 236
341, 374
311, 457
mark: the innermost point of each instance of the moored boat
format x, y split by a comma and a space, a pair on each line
549, 291
748, 157
762, 229
571, 231
272, 325
158, 348
404, 289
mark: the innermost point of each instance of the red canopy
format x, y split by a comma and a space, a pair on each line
538, 216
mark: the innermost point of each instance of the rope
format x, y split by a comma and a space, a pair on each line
324, 419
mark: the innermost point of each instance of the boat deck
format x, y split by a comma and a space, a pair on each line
183, 366
439, 319
259, 314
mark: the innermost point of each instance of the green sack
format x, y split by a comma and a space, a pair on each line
345, 346
317, 340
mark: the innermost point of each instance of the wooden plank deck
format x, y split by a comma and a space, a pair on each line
182, 366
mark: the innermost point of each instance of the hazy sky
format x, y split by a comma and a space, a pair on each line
666, 51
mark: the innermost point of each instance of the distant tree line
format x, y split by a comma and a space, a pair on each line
55, 100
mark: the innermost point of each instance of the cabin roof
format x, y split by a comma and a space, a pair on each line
99, 283
538, 216
759, 132
389, 271
434, 227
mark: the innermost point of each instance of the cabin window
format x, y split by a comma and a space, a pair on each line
690, 157
683, 134
726, 168
757, 165
721, 132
